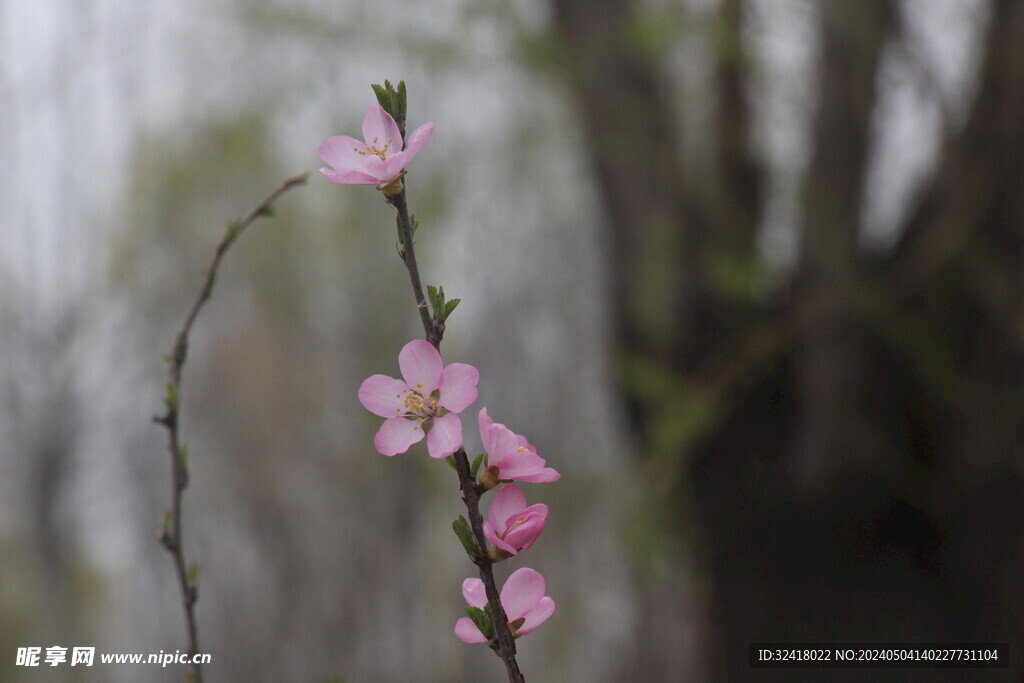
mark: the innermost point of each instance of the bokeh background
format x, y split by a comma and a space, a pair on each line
748, 272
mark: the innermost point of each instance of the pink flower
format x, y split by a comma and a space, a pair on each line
510, 525
431, 395
377, 161
522, 598
510, 457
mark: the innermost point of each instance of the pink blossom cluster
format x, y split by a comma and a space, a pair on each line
427, 401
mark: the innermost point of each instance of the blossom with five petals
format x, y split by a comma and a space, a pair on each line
379, 159
431, 395
512, 526
522, 597
510, 457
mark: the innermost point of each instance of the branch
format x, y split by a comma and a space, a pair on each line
504, 644
979, 166
434, 330
171, 532
740, 184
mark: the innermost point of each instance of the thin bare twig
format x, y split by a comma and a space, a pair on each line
504, 644
407, 250
171, 532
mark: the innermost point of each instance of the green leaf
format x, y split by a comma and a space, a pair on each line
442, 308
183, 456
449, 306
451, 462
383, 96
436, 295
401, 105
193, 574
392, 100
475, 467
267, 210
482, 619
466, 537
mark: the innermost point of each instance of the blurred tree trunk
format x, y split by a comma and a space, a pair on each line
849, 452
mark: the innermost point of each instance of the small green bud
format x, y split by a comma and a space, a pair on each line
171, 397
232, 230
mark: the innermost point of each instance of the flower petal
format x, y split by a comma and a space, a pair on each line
485, 422
395, 163
391, 167
474, 592
445, 436
383, 396
509, 502
543, 475
524, 443
521, 465
421, 366
538, 615
343, 153
380, 129
378, 169
458, 386
349, 177
396, 435
467, 631
499, 542
531, 524
417, 139
502, 447
522, 592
